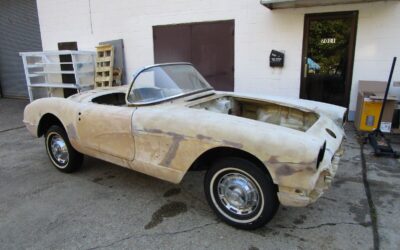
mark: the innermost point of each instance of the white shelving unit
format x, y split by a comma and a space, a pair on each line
44, 74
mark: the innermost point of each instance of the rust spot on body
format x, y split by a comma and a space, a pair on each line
174, 134
272, 159
286, 170
153, 130
203, 137
232, 144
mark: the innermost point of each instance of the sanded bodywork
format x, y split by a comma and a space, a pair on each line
165, 139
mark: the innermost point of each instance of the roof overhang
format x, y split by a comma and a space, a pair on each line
284, 4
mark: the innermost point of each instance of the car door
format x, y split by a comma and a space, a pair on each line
106, 129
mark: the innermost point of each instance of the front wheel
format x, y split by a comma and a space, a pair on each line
63, 156
240, 193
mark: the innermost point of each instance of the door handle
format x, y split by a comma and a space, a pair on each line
305, 70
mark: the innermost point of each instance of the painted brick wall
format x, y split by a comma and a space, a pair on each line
257, 31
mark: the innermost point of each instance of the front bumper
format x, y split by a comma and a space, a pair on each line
300, 198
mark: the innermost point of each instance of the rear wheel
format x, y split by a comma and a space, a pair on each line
63, 156
240, 193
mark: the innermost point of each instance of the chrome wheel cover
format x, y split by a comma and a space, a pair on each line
238, 193
59, 150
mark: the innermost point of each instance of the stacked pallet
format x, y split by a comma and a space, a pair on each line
104, 66
117, 75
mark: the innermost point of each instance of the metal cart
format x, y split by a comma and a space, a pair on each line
44, 71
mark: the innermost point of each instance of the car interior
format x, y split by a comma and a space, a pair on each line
146, 94
116, 99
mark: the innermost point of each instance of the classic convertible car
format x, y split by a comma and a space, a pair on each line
258, 152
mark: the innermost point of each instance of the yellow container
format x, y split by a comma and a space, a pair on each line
369, 103
370, 112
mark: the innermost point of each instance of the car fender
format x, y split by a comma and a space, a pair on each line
65, 110
179, 135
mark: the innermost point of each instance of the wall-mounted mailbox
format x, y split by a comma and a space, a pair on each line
276, 59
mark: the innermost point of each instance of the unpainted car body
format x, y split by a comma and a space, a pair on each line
296, 142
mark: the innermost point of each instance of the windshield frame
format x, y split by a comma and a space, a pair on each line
166, 98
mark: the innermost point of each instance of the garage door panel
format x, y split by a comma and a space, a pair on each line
209, 46
172, 43
212, 52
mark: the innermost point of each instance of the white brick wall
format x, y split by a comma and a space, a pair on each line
257, 31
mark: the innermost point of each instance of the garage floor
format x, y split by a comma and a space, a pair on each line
106, 206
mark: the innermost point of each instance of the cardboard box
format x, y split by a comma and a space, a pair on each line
369, 103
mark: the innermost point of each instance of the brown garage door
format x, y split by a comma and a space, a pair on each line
209, 46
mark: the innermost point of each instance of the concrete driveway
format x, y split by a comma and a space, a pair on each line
106, 206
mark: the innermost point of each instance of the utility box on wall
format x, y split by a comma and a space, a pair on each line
369, 104
276, 59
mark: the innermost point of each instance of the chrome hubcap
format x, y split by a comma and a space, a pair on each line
59, 149
238, 193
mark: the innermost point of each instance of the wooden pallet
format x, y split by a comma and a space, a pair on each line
117, 75
104, 66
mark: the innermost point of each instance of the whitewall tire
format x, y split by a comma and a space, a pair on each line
63, 156
241, 193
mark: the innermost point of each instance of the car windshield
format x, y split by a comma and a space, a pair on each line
166, 81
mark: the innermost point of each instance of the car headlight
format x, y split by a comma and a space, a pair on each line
321, 154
